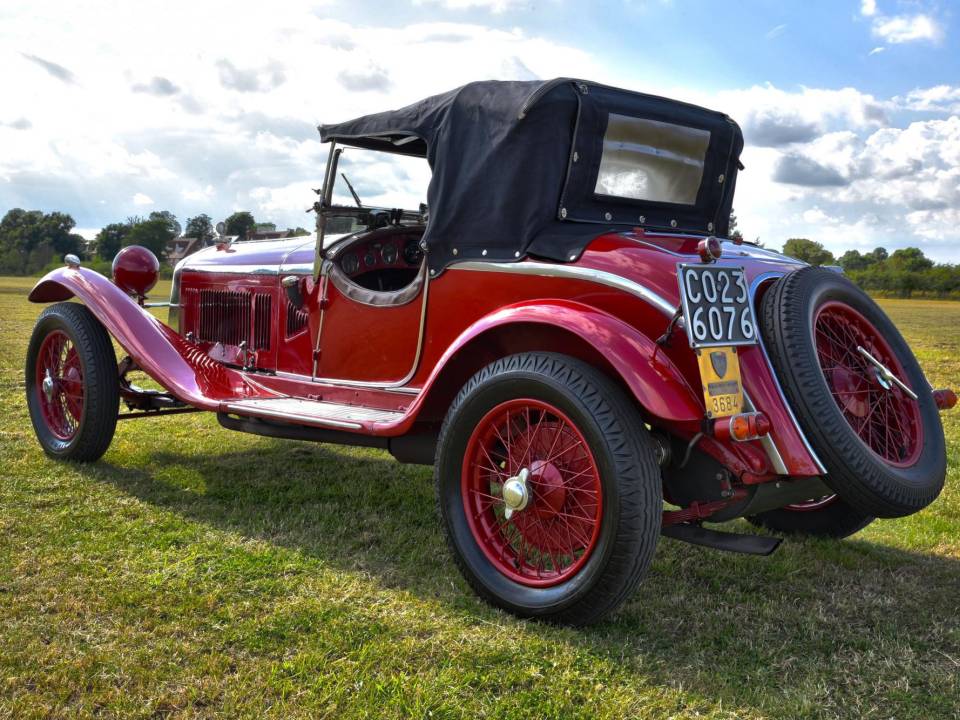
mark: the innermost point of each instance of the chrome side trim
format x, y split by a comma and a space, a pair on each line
767, 442
345, 383
301, 269
601, 277
290, 417
173, 316
223, 269
754, 284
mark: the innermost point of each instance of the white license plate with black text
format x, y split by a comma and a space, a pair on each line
716, 305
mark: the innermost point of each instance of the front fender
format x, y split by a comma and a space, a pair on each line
654, 380
184, 371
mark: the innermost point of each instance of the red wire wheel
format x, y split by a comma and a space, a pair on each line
59, 377
848, 374
551, 537
882, 415
71, 383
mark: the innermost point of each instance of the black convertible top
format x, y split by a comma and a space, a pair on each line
516, 165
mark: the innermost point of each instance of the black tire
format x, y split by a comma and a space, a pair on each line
97, 419
860, 476
629, 478
835, 519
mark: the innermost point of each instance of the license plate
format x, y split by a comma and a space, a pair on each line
716, 305
720, 375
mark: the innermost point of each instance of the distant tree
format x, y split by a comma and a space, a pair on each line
733, 232
173, 226
153, 234
199, 227
266, 227
911, 260
298, 232
240, 223
852, 260
808, 251
29, 239
110, 239
878, 254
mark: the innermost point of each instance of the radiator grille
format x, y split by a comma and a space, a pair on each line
261, 321
224, 316
235, 316
296, 319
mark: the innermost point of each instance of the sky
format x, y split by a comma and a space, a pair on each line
850, 109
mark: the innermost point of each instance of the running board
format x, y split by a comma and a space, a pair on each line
731, 542
311, 412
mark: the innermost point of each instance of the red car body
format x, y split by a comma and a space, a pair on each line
609, 307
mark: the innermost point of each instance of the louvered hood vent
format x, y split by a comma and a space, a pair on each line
231, 317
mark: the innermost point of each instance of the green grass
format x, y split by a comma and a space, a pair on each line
195, 572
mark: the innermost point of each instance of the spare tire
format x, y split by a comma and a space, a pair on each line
884, 452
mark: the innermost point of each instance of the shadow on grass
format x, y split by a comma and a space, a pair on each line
837, 618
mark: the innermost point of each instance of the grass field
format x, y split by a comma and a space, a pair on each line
195, 572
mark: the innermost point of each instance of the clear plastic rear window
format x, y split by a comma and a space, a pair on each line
651, 160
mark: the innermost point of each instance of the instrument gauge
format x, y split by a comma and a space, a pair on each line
350, 264
389, 254
369, 259
412, 253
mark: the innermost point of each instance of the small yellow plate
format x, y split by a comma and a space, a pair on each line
720, 375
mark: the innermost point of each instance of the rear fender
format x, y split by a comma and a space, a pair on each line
188, 374
652, 378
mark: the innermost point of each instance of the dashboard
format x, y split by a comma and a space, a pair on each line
397, 250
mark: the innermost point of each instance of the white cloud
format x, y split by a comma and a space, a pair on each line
204, 193
774, 117
941, 98
907, 28
141, 199
876, 51
868, 7
495, 6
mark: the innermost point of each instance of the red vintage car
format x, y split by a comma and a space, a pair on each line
563, 331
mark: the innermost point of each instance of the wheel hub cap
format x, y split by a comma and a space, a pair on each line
516, 494
48, 385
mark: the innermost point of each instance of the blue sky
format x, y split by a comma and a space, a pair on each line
850, 109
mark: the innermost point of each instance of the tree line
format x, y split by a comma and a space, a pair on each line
906, 272
32, 240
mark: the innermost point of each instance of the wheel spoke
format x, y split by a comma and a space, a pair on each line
551, 534
883, 418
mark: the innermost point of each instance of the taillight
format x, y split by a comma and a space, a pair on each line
709, 249
742, 427
945, 398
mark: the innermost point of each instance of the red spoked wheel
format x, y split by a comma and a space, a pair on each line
532, 492
59, 375
71, 381
878, 410
859, 396
548, 488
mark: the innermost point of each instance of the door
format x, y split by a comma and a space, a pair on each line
370, 335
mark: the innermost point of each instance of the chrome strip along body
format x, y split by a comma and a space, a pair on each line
601, 277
